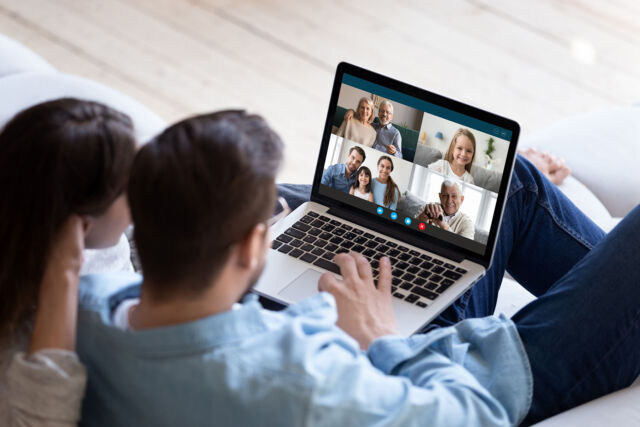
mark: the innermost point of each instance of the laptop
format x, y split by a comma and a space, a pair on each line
436, 254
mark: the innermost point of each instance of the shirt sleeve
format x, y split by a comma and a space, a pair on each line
397, 142
450, 377
46, 388
326, 176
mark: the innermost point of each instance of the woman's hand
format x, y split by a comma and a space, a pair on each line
364, 311
55, 323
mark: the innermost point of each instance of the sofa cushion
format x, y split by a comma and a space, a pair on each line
15, 59
20, 91
425, 155
602, 149
485, 178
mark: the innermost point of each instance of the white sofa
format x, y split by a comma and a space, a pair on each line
598, 147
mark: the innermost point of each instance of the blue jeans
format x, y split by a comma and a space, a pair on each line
582, 333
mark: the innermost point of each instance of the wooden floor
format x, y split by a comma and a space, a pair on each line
535, 62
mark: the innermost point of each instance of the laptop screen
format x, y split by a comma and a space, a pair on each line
414, 161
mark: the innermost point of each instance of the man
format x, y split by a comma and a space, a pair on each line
181, 355
342, 176
388, 138
446, 214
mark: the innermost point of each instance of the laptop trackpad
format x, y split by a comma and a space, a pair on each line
305, 285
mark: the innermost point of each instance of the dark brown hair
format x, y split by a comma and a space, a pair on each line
390, 192
367, 172
359, 151
57, 158
197, 189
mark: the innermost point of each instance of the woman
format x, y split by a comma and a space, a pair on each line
64, 166
459, 157
360, 130
385, 192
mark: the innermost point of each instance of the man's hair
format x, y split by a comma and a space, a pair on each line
359, 150
386, 102
57, 158
448, 183
195, 191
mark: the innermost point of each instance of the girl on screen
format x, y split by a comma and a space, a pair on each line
459, 157
384, 189
362, 186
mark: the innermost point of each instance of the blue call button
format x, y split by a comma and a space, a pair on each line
380, 210
407, 221
394, 216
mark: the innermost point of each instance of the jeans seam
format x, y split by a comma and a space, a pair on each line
632, 326
564, 227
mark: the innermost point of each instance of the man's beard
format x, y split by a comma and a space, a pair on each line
253, 280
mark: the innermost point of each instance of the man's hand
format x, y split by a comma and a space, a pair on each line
364, 312
348, 115
435, 215
391, 149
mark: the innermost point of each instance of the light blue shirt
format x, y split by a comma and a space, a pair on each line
378, 189
335, 177
250, 366
387, 135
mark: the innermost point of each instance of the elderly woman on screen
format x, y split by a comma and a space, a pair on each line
360, 129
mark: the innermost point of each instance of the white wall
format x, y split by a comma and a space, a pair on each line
402, 114
432, 124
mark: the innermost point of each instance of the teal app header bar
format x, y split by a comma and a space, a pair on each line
427, 107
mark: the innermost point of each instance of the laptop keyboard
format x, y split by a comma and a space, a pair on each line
417, 278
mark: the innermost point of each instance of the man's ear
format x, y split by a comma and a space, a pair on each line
252, 248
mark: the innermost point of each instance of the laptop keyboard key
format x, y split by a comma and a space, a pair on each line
449, 266
452, 275
284, 238
358, 248
413, 269
314, 231
331, 247
347, 244
421, 304
321, 243
404, 256
276, 244
369, 235
309, 239
327, 265
393, 252
412, 298
424, 293
296, 243
426, 265
437, 269
306, 219
337, 240
419, 281
301, 226
461, 270
437, 261
296, 253
312, 214
285, 249
406, 285
294, 233
317, 223
317, 251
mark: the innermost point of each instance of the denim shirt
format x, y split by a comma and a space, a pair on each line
334, 176
250, 366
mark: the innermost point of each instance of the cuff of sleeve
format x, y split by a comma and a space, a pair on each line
385, 353
49, 384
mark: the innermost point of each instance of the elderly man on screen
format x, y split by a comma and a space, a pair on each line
388, 138
446, 214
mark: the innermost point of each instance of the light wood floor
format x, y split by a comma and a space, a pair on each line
533, 61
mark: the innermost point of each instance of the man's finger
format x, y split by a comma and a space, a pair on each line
384, 279
328, 283
347, 266
363, 266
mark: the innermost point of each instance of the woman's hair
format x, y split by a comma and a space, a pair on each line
449, 155
57, 158
370, 102
356, 184
390, 192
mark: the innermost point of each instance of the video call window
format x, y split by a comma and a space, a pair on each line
422, 151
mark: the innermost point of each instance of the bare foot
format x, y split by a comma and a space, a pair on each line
551, 166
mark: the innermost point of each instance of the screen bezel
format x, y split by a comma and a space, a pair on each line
397, 230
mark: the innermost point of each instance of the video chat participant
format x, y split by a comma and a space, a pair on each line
388, 138
341, 176
180, 355
447, 214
